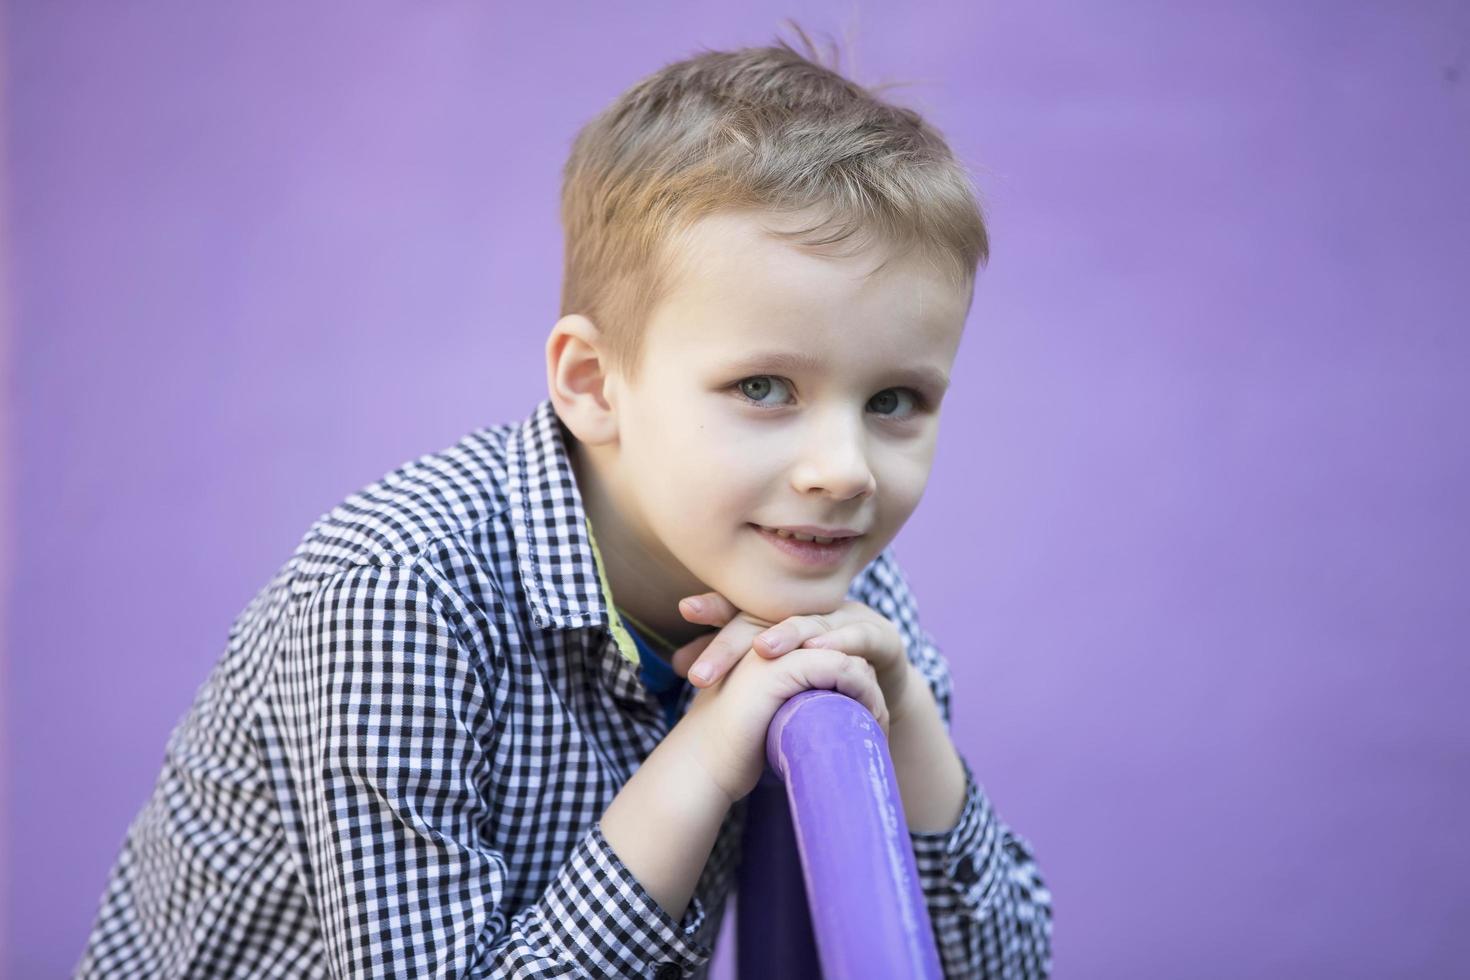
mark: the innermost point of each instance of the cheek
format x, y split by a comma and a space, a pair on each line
703, 482
715, 447
901, 482
905, 497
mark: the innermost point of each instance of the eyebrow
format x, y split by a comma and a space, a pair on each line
796, 361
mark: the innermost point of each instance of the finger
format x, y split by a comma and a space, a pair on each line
792, 632
852, 638
872, 641
857, 679
722, 652
708, 608
684, 657
853, 676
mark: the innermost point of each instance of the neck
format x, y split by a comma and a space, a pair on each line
643, 583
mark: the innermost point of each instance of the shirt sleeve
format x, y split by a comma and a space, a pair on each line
387, 711
991, 910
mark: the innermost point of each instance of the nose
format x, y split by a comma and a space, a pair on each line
834, 461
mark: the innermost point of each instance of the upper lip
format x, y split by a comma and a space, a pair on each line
814, 530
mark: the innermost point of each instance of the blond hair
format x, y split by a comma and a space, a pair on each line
767, 129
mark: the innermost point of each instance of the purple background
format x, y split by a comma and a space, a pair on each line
1196, 537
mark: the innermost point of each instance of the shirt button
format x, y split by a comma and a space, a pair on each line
965, 872
668, 971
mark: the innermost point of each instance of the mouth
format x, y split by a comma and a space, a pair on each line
806, 532
810, 549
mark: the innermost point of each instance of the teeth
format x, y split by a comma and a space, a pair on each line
799, 537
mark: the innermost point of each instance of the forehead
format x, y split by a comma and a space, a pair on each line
735, 286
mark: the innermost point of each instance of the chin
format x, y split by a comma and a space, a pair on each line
774, 604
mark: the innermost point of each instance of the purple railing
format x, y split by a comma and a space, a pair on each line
828, 887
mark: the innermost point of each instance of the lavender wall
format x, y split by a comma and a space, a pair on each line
1196, 537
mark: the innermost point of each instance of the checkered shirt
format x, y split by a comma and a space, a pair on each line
398, 764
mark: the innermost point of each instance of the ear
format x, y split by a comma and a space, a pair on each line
579, 380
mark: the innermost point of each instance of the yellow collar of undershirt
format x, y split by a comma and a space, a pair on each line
626, 646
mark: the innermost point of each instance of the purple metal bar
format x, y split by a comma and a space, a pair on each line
845, 820
773, 929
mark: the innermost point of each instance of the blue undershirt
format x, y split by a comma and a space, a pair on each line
658, 676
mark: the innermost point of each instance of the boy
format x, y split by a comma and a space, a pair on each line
454, 735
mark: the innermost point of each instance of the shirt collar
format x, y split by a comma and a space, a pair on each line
561, 571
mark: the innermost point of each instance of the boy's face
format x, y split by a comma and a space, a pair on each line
778, 389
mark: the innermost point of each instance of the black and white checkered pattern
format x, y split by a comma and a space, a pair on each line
397, 767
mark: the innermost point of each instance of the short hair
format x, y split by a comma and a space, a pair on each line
766, 129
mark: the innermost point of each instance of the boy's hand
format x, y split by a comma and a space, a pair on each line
852, 628
727, 721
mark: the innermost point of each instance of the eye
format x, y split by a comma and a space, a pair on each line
889, 402
756, 388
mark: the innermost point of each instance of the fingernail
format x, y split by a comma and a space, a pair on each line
693, 605
700, 673
772, 640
